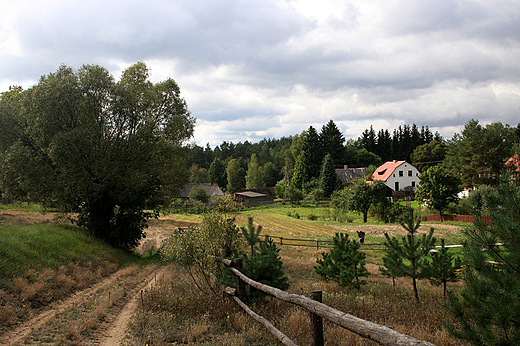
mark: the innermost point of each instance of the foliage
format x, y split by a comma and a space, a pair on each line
487, 309
344, 263
265, 265
438, 187
295, 195
217, 172
428, 155
199, 194
328, 176
251, 233
317, 196
479, 152
332, 143
392, 260
360, 196
235, 176
388, 211
195, 248
444, 267
86, 144
254, 175
410, 249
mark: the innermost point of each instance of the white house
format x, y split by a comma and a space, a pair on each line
397, 175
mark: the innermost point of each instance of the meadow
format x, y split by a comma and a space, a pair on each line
174, 310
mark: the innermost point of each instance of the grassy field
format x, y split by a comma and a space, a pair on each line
176, 312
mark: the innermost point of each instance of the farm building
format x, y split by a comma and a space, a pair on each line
347, 174
253, 197
212, 190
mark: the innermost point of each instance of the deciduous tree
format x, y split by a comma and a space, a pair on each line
83, 143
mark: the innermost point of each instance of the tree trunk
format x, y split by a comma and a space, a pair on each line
414, 281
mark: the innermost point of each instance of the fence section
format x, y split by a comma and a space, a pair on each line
366, 329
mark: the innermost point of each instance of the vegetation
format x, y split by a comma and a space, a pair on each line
83, 143
409, 253
438, 187
344, 263
487, 308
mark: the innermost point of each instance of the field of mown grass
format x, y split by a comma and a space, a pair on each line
176, 312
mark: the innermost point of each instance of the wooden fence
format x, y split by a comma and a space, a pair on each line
317, 243
366, 329
460, 218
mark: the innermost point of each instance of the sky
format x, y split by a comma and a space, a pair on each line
254, 69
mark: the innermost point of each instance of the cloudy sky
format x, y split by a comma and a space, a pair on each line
253, 69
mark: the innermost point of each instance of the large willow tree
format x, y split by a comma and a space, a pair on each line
86, 144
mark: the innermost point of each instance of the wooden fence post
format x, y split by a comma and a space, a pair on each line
281, 241
316, 322
241, 285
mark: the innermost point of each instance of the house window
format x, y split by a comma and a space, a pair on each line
410, 174
396, 186
401, 173
413, 183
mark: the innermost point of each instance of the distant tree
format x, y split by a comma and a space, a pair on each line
478, 154
235, 176
254, 174
328, 176
198, 175
312, 155
368, 140
332, 143
217, 172
444, 267
359, 197
428, 155
438, 187
411, 249
344, 263
384, 145
298, 176
487, 308
271, 174
83, 143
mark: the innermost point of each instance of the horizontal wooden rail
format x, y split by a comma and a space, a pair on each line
366, 329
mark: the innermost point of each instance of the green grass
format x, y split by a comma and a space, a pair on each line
34, 247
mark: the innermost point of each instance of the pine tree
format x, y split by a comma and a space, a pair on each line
332, 143
444, 268
412, 249
251, 233
487, 309
343, 263
392, 261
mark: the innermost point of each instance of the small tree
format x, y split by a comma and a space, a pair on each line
359, 197
392, 261
343, 263
411, 249
266, 266
251, 233
444, 268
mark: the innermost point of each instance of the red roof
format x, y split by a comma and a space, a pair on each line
384, 171
513, 163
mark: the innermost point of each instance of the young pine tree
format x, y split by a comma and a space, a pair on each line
392, 261
251, 233
344, 263
444, 268
412, 249
487, 309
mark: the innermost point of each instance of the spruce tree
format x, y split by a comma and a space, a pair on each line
328, 176
487, 309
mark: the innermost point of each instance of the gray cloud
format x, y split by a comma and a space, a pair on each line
271, 68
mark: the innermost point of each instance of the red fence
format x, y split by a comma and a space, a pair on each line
461, 218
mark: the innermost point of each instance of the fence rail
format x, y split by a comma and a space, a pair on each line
317, 243
366, 329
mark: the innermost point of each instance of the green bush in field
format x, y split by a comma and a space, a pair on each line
344, 263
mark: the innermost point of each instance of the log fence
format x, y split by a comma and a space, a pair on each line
318, 311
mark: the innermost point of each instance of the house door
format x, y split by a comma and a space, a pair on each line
396, 186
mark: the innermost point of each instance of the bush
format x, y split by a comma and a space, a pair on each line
312, 217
